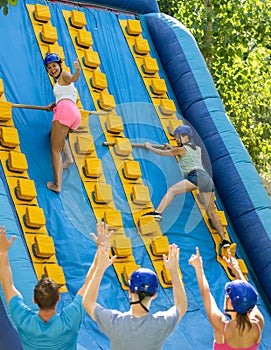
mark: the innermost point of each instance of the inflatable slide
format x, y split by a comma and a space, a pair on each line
142, 75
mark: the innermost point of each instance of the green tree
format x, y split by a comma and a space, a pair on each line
235, 39
4, 4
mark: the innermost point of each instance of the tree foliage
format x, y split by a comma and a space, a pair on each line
4, 4
235, 39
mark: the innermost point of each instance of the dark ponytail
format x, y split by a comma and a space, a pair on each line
242, 320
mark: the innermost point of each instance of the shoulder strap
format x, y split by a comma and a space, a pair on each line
224, 331
259, 330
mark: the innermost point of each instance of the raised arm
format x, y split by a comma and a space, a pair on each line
173, 151
172, 264
5, 269
215, 316
99, 266
102, 239
72, 78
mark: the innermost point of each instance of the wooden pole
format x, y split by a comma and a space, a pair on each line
16, 105
44, 108
99, 112
138, 145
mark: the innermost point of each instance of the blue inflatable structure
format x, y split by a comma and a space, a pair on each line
69, 215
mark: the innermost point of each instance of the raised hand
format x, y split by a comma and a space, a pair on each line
5, 244
232, 263
172, 261
103, 260
103, 237
195, 259
76, 64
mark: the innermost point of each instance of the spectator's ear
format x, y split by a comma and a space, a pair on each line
154, 296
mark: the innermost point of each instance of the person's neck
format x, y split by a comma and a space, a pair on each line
46, 315
138, 311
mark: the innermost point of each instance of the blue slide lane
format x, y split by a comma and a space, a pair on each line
69, 215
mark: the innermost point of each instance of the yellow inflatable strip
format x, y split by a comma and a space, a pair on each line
165, 108
23, 193
45, 32
90, 61
149, 70
97, 84
5, 109
139, 201
217, 240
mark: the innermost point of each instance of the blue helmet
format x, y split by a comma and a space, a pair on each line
242, 294
183, 130
51, 57
143, 280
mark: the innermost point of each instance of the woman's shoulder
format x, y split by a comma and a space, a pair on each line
64, 78
190, 146
256, 322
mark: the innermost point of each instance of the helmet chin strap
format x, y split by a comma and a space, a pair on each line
139, 302
228, 311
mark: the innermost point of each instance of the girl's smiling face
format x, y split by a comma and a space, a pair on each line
53, 69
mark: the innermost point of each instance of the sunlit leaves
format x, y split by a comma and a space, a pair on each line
4, 5
239, 58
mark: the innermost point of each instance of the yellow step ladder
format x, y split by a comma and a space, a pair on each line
23, 193
166, 111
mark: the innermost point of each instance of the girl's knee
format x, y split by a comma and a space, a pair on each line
55, 149
171, 191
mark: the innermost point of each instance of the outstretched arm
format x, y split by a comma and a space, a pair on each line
214, 314
172, 264
72, 78
173, 151
102, 239
5, 269
98, 269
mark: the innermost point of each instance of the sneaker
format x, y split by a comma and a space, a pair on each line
225, 243
155, 214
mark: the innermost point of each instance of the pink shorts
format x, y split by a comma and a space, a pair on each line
67, 113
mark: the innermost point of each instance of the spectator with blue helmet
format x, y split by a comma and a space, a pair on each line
195, 177
136, 328
66, 118
244, 329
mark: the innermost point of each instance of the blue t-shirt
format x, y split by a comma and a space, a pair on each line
128, 332
59, 333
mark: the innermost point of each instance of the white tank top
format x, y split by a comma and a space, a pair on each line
65, 92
